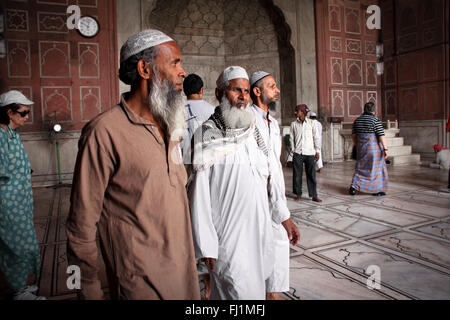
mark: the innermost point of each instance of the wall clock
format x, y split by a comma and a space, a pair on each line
88, 26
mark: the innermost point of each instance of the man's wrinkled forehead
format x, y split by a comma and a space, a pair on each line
241, 83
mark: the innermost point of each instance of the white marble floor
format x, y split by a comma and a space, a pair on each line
403, 236
406, 235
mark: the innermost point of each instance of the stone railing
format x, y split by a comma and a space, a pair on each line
390, 124
346, 132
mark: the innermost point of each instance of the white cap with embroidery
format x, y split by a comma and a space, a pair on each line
230, 73
142, 40
258, 75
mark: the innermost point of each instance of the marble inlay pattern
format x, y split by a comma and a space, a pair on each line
417, 246
439, 229
354, 226
312, 237
409, 277
394, 217
426, 199
406, 234
423, 209
307, 276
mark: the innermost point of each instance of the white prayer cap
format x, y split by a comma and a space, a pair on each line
230, 73
141, 41
256, 76
313, 114
14, 96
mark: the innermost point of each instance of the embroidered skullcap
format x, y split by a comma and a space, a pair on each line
313, 114
230, 73
142, 40
256, 76
14, 96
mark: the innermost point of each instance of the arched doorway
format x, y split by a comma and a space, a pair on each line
214, 34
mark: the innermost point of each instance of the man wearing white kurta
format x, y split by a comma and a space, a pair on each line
228, 195
265, 93
319, 163
197, 112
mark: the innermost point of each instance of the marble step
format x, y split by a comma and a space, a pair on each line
391, 133
395, 142
411, 159
399, 151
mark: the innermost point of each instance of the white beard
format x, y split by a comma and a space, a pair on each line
168, 107
234, 117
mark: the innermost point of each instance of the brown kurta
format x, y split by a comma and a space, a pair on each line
132, 191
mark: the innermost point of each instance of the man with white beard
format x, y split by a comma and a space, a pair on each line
228, 195
129, 183
264, 93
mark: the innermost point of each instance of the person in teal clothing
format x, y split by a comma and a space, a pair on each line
19, 251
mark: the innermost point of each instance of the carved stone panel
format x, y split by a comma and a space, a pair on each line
355, 102
433, 98
19, 64
354, 72
90, 102
334, 18
371, 73
371, 96
353, 46
54, 57
88, 60
336, 70
390, 102
408, 68
335, 44
57, 103
16, 20
352, 21
52, 22
337, 103
408, 102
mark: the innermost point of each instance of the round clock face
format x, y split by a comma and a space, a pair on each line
88, 26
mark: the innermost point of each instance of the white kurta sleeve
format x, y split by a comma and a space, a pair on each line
205, 236
291, 137
280, 211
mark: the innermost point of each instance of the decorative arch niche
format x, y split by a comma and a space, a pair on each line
213, 34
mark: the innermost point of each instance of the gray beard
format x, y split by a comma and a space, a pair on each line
236, 118
168, 107
272, 105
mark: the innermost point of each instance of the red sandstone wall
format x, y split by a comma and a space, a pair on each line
346, 59
61, 71
416, 50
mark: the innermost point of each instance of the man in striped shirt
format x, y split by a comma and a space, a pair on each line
371, 151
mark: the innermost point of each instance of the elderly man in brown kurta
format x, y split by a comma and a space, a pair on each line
129, 183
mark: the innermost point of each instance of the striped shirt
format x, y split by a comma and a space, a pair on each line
368, 123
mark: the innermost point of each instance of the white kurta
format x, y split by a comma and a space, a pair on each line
319, 163
279, 279
231, 222
197, 112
